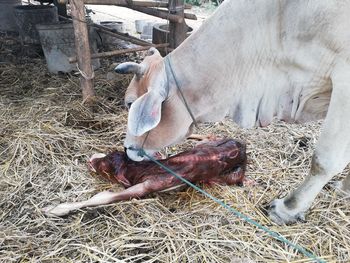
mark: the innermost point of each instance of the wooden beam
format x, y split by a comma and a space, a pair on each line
122, 36
177, 31
82, 48
163, 14
190, 16
115, 33
158, 13
166, 14
127, 3
118, 52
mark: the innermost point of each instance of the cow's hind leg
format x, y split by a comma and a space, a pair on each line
331, 156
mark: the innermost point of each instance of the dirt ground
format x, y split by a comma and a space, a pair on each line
47, 135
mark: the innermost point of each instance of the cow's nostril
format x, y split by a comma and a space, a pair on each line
134, 154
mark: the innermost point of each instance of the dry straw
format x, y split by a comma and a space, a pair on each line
46, 136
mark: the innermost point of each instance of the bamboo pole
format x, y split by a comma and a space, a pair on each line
82, 47
118, 52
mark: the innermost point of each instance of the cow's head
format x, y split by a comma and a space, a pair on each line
157, 117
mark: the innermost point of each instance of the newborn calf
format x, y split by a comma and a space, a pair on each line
216, 162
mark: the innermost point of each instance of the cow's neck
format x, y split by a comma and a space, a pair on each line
226, 71
213, 67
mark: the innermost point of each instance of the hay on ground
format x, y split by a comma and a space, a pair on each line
46, 136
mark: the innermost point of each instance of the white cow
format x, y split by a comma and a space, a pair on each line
253, 61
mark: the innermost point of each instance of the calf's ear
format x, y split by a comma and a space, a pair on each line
145, 113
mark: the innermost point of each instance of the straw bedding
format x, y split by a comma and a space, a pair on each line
46, 136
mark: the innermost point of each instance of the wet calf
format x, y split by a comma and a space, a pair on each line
216, 162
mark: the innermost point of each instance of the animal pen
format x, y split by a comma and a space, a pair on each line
47, 134
177, 32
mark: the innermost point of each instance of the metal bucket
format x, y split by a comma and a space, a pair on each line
160, 35
7, 20
57, 41
116, 25
109, 41
27, 16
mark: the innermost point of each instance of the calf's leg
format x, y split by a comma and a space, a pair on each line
203, 138
331, 156
103, 198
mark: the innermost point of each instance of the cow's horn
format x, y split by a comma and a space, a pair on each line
152, 51
130, 67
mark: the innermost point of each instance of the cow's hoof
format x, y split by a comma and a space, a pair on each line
281, 215
340, 189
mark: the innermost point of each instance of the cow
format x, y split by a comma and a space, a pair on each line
252, 61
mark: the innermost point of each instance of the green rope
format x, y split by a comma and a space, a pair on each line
237, 213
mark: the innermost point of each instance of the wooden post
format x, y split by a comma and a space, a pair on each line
177, 31
82, 47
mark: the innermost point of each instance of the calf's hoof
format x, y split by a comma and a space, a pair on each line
281, 215
59, 210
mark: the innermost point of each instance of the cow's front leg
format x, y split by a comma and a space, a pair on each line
293, 207
203, 139
331, 156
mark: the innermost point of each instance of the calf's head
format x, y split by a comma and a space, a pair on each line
157, 117
108, 166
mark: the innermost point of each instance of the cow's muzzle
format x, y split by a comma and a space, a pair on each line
137, 156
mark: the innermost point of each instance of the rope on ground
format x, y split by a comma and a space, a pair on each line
84, 75
237, 213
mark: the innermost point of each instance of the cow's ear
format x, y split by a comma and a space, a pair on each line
145, 113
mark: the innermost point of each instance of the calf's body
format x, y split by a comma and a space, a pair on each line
216, 162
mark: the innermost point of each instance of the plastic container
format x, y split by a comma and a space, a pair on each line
139, 24
147, 31
27, 16
57, 41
